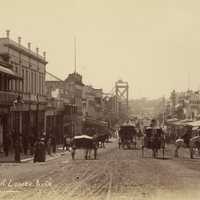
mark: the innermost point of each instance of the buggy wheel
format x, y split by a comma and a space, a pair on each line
163, 152
135, 145
142, 151
191, 154
86, 155
154, 153
95, 154
73, 154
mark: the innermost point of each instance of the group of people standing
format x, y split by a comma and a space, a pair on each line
44, 144
28, 144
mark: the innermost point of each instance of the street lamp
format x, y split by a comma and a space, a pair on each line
17, 101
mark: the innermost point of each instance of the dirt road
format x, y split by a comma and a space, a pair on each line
117, 174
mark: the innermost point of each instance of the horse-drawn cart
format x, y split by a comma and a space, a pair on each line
154, 139
127, 137
86, 143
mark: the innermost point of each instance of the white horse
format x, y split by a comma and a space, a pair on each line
179, 143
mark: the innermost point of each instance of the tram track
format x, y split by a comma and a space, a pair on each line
116, 174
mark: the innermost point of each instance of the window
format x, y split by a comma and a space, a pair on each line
35, 82
40, 84
32, 83
27, 82
23, 81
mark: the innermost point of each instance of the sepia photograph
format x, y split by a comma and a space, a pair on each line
100, 100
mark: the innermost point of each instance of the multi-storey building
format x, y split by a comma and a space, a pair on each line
92, 102
7, 97
69, 94
27, 110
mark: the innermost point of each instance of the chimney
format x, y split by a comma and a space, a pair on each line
8, 34
37, 50
44, 55
29, 45
19, 40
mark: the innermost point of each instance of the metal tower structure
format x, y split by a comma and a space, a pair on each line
121, 96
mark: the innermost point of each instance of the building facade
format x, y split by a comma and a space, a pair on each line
28, 109
7, 98
69, 110
92, 102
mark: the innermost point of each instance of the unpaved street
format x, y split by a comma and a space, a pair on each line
117, 174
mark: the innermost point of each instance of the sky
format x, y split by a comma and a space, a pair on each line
152, 44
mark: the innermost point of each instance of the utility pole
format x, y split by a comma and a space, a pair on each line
75, 55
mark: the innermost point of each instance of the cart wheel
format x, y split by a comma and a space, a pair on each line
191, 154
142, 151
95, 154
163, 151
73, 154
154, 153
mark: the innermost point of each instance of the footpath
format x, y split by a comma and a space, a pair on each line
59, 153
29, 158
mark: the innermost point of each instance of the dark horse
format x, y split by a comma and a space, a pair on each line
154, 140
101, 139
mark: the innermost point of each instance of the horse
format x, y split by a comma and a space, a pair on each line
154, 139
157, 142
101, 139
67, 143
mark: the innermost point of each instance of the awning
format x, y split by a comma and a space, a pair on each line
172, 120
194, 124
83, 137
184, 122
9, 72
195, 128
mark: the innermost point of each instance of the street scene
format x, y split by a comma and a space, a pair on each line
100, 100
116, 174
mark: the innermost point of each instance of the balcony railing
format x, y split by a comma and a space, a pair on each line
7, 98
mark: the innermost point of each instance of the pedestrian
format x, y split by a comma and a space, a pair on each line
68, 143
48, 145
25, 143
53, 143
7, 144
39, 151
31, 142
64, 142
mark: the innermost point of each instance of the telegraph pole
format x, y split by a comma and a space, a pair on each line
75, 54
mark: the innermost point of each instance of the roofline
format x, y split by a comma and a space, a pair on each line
14, 45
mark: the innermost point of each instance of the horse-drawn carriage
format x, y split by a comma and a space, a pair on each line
86, 143
97, 129
95, 134
127, 137
188, 137
154, 139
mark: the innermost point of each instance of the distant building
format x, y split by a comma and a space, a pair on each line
92, 102
69, 92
